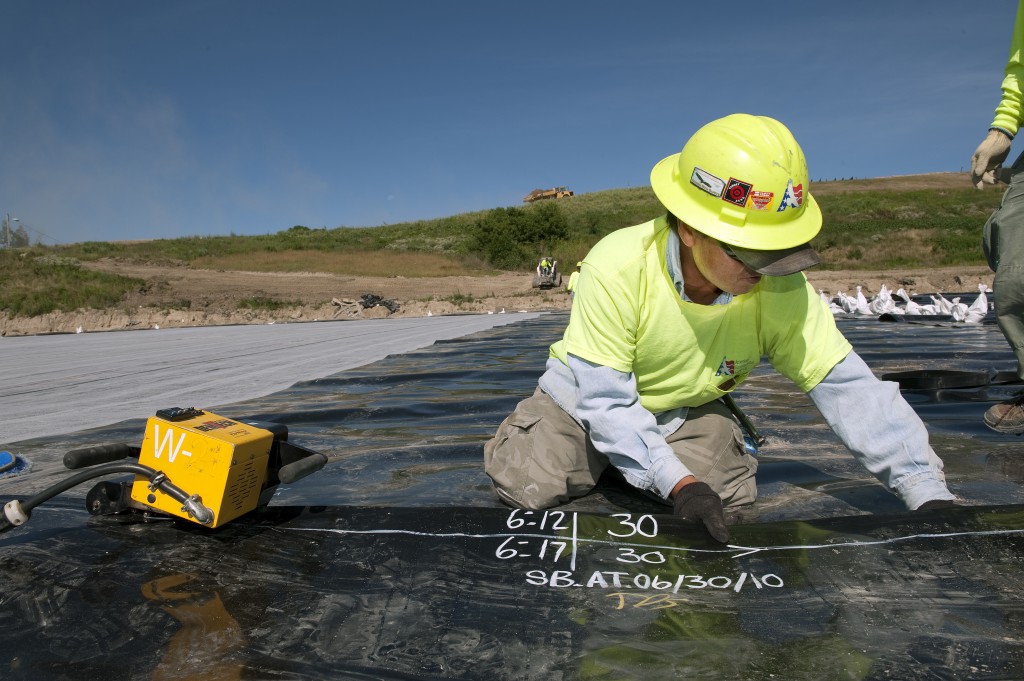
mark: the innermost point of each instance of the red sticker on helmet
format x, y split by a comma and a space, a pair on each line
737, 191
760, 200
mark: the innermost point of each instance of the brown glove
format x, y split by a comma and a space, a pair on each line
988, 159
699, 503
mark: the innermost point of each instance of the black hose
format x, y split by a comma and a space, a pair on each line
165, 486
192, 505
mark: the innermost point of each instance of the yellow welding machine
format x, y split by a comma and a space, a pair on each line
221, 460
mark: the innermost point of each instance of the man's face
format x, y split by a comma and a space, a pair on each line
718, 267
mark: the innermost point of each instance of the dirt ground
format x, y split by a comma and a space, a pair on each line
181, 296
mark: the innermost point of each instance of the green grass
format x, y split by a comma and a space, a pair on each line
459, 299
924, 228
35, 282
868, 225
266, 303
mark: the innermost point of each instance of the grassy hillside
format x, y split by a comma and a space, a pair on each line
904, 222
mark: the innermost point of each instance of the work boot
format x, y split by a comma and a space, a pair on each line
1008, 416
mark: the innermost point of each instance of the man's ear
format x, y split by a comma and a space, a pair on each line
686, 234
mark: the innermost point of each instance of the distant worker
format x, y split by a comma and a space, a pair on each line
573, 278
544, 268
1003, 235
672, 315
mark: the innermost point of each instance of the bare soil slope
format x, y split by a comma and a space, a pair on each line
181, 296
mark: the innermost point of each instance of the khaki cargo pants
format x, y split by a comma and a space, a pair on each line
540, 457
1003, 244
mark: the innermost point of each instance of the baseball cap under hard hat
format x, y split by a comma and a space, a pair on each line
743, 180
777, 263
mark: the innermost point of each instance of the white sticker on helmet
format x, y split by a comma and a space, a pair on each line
705, 181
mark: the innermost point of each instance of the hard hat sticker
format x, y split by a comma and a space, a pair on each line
761, 200
793, 197
705, 181
737, 191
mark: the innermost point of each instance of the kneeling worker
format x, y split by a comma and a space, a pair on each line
672, 314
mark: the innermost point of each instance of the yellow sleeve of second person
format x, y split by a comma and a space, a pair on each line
1008, 113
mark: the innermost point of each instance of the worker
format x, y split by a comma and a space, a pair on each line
544, 268
573, 278
1003, 234
673, 314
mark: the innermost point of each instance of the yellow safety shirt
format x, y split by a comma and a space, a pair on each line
681, 353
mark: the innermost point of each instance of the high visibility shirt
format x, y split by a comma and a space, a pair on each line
573, 280
684, 354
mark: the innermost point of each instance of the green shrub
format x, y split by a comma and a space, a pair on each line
511, 238
495, 238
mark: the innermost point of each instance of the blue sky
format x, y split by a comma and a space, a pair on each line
144, 119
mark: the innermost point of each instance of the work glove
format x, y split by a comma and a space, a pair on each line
988, 159
698, 502
936, 504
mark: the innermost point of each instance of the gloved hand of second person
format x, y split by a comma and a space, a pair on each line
699, 503
988, 157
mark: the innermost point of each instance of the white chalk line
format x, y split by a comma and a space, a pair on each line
729, 548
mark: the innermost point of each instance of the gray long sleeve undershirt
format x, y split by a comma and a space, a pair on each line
886, 436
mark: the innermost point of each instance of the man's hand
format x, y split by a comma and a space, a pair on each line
988, 159
696, 501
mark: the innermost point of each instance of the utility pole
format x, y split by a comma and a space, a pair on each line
7, 229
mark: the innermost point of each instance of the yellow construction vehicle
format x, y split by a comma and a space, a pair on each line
553, 193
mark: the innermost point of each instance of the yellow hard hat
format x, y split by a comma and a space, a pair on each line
742, 180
